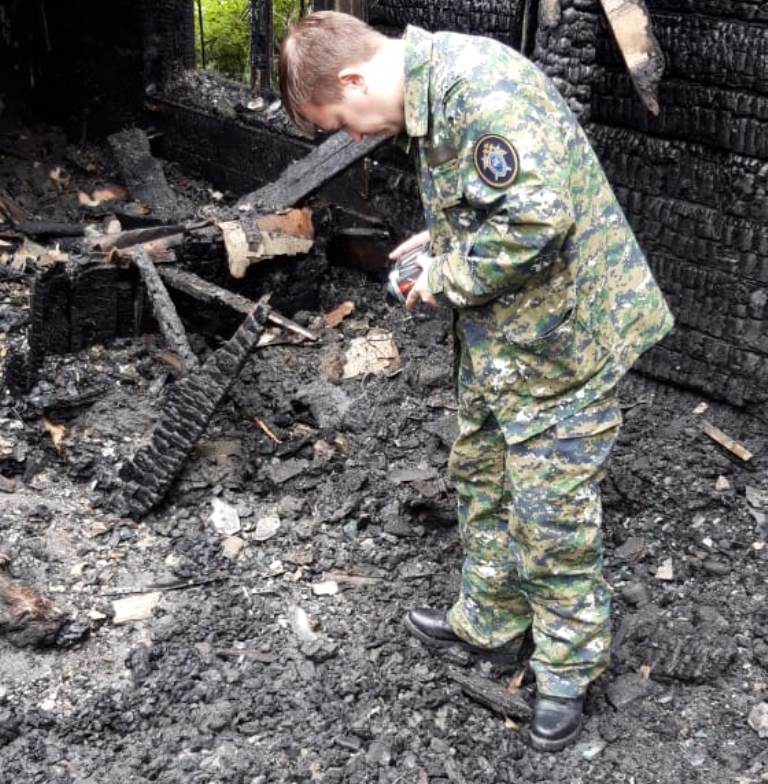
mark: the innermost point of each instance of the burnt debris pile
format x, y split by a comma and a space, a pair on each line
214, 523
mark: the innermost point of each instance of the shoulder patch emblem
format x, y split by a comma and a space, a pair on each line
496, 160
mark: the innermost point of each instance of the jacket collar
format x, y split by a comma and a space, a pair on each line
418, 56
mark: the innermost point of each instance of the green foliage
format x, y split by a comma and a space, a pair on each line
227, 33
283, 12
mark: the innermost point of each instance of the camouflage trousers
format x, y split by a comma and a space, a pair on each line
530, 522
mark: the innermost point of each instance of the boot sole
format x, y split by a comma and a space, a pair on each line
542, 744
498, 658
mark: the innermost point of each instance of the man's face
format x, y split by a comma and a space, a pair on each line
360, 112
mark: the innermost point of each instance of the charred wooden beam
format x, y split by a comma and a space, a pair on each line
144, 176
493, 695
209, 293
145, 479
631, 25
168, 319
309, 173
126, 239
27, 618
49, 229
261, 45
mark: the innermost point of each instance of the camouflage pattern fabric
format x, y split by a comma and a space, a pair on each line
529, 517
554, 297
554, 301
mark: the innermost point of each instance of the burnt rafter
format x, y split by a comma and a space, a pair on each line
145, 479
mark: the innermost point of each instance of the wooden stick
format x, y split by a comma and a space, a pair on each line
171, 327
200, 289
263, 425
492, 695
725, 440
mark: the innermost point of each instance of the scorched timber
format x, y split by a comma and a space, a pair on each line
168, 319
204, 291
309, 173
144, 176
188, 410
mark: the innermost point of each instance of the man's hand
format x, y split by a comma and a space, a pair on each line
420, 290
422, 238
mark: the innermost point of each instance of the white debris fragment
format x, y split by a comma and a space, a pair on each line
758, 719
327, 588
701, 408
232, 546
135, 608
266, 528
722, 484
666, 571
591, 748
375, 353
224, 517
301, 625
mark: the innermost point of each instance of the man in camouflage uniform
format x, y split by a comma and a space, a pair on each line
553, 302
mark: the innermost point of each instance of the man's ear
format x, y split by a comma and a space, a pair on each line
351, 77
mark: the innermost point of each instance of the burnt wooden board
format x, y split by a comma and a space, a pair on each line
309, 173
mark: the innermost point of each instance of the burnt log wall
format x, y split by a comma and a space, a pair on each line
500, 19
693, 180
86, 64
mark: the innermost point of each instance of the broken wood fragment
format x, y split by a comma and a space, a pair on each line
131, 237
309, 173
34, 228
189, 407
630, 21
256, 238
202, 290
734, 447
9, 207
492, 695
168, 319
27, 618
265, 427
143, 175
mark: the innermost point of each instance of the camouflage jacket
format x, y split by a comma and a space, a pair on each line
554, 298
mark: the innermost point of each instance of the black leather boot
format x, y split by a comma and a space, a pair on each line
432, 628
556, 722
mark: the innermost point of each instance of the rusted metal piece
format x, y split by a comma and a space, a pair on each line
630, 22
191, 403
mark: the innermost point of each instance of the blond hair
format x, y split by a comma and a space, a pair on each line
316, 48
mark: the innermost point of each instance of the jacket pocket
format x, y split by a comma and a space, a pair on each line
447, 183
562, 357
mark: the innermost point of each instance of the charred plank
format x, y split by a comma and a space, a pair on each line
492, 695
210, 293
164, 310
309, 173
144, 176
46, 229
145, 479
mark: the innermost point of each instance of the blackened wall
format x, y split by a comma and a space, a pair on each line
693, 180
85, 64
500, 19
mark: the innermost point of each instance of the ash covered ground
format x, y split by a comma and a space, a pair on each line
251, 668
